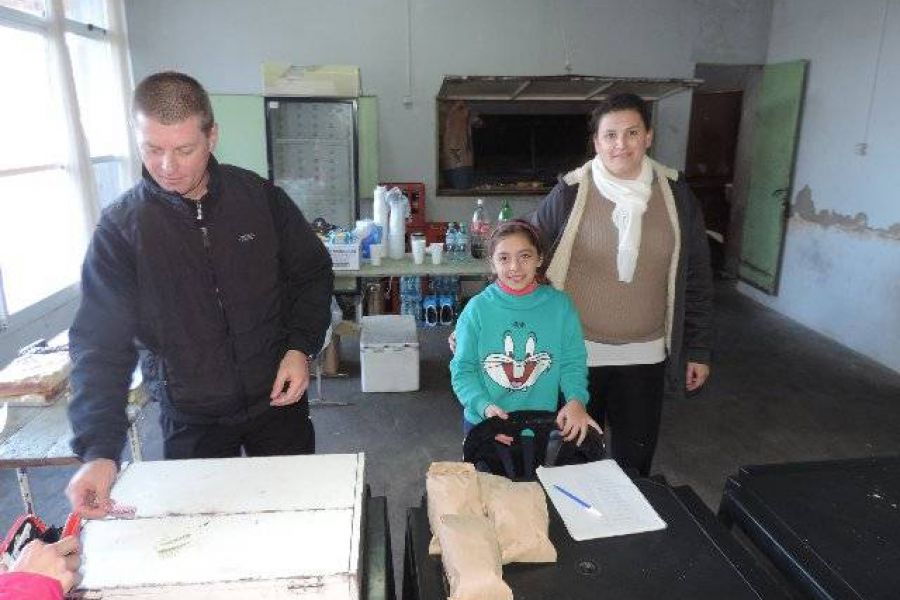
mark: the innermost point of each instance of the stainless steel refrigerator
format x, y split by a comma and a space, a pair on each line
312, 149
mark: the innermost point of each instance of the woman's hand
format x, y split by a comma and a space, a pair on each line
696, 376
451, 341
574, 421
59, 561
495, 411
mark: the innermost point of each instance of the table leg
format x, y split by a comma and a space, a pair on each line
134, 440
319, 376
358, 304
25, 490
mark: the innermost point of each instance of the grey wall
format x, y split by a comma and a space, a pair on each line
841, 269
223, 43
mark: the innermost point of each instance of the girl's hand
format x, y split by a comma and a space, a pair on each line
574, 421
495, 411
504, 439
59, 561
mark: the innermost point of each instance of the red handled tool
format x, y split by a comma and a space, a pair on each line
72, 526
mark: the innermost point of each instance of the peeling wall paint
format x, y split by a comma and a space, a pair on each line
840, 271
804, 208
843, 284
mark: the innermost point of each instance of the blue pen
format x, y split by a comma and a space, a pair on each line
578, 501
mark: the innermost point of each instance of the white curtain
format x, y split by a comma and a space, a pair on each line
4, 313
79, 158
118, 31
78, 162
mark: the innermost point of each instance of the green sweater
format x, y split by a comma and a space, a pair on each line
518, 352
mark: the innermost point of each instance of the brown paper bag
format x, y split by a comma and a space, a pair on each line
518, 513
452, 489
471, 558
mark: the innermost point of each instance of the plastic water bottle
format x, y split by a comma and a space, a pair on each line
480, 230
450, 241
462, 242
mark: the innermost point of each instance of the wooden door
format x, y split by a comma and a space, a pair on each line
776, 132
709, 167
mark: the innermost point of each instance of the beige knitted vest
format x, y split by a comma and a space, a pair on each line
558, 269
612, 311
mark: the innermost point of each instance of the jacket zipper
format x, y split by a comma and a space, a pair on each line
207, 247
204, 231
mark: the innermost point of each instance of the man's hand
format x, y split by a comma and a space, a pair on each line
88, 491
574, 421
293, 371
59, 561
696, 376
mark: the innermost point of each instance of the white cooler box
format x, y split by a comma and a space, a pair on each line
389, 354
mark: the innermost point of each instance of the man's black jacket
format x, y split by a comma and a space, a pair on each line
216, 296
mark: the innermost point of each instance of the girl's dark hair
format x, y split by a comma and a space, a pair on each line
620, 102
520, 227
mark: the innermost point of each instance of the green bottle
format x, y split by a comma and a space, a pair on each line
505, 212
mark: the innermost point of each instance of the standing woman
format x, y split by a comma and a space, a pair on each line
629, 247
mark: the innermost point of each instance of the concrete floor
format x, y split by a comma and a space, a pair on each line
778, 393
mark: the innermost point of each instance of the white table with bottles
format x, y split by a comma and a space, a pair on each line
465, 267
405, 267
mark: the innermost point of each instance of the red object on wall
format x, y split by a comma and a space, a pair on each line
435, 232
415, 191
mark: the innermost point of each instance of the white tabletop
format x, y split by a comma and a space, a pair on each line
273, 527
405, 267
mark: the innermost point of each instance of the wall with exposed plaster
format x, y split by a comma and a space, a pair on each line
841, 265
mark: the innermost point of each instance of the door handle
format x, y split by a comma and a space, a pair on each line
785, 196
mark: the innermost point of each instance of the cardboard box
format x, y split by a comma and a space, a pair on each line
344, 257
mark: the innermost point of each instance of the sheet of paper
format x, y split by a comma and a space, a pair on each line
623, 508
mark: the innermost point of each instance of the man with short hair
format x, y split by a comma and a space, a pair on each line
214, 273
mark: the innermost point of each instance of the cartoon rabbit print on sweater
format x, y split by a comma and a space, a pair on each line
513, 374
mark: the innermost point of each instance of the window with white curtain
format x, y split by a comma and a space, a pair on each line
64, 149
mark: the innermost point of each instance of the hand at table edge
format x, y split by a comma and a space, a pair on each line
88, 490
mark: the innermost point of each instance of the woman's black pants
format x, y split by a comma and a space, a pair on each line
627, 401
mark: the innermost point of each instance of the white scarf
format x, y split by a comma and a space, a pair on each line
630, 197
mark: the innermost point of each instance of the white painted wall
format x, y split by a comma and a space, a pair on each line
844, 280
223, 44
